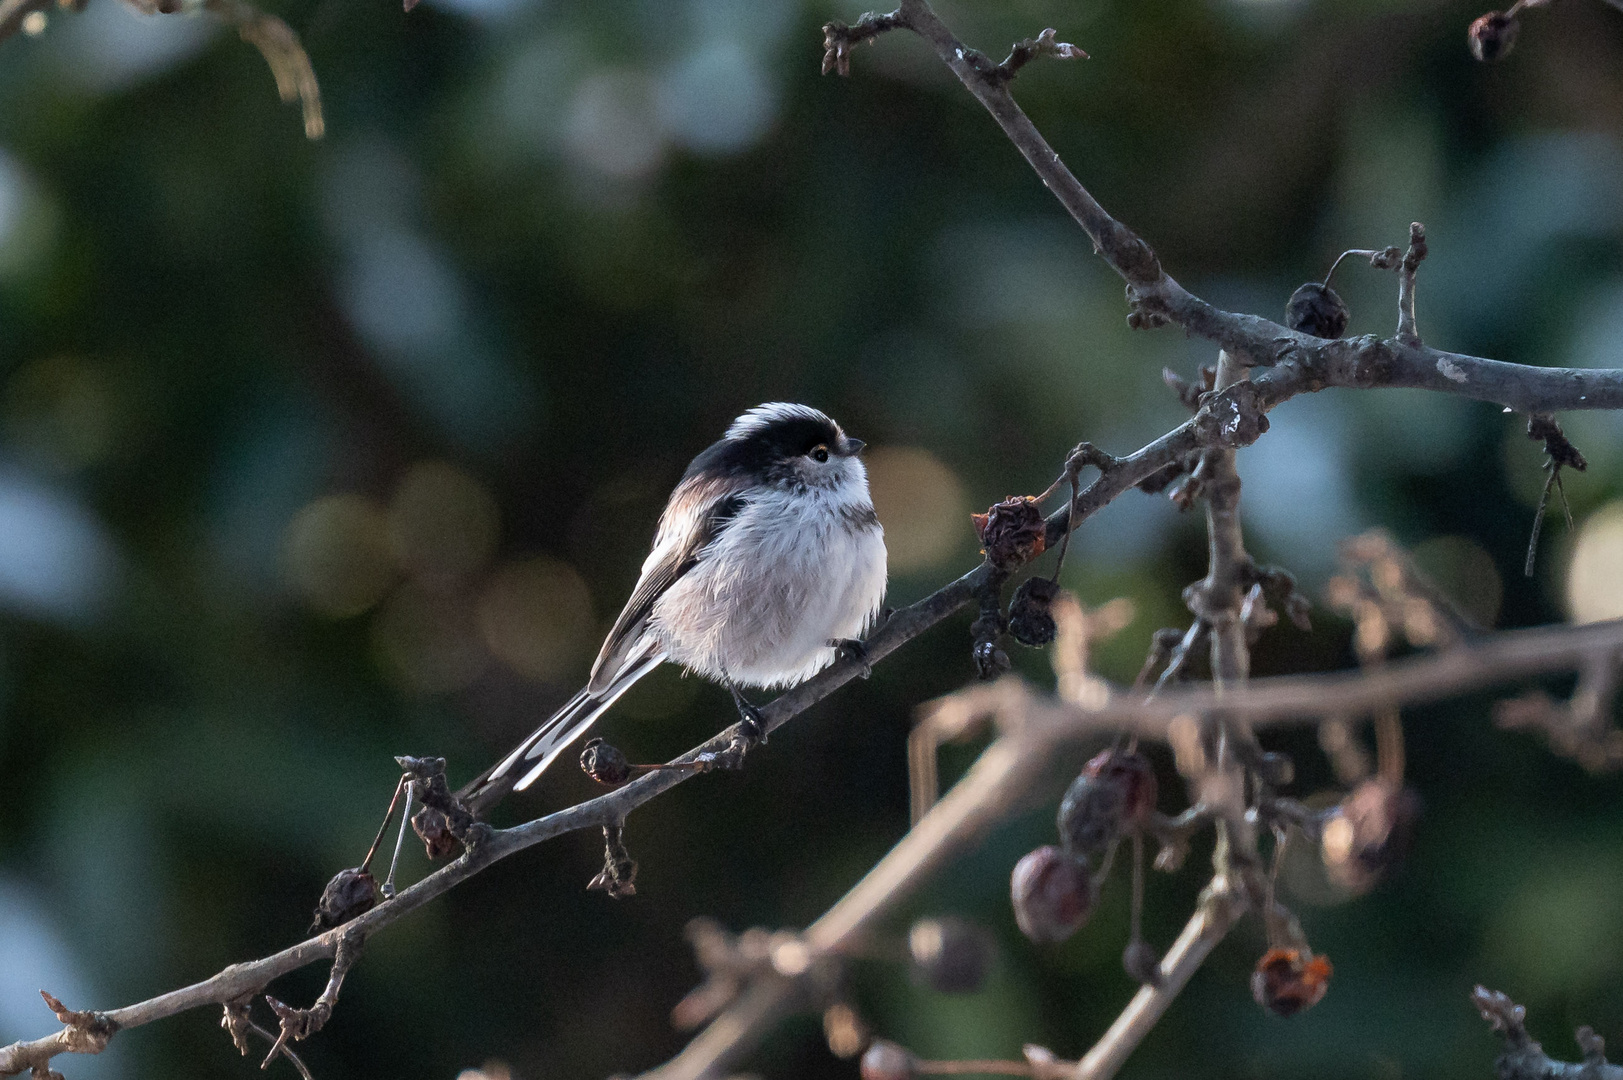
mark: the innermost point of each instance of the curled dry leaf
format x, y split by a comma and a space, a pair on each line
1286, 981
1012, 532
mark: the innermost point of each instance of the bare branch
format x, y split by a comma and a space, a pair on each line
1300, 362
279, 45
1525, 1059
1038, 725
1219, 909
1406, 275
1046, 43
839, 39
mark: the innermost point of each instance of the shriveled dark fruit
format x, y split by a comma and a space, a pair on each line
1031, 618
1114, 794
1368, 834
950, 954
350, 893
1493, 36
604, 763
1052, 893
1286, 981
1140, 961
990, 661
887, 1061
1012, 532
1317, 309
434, 830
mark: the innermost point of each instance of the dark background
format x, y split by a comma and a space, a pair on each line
312, 453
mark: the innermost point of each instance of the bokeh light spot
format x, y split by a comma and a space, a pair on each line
336, 554
717, 100
442, 522
1595, 576
536, 616
921, 505
611, 126
427, 641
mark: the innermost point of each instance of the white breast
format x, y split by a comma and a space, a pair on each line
790, 573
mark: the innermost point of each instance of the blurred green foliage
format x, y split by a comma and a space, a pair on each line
545, 252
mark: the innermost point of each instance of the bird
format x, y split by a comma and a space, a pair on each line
768, 562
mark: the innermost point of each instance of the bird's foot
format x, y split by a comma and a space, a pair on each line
751, 724
750, 734
852, 649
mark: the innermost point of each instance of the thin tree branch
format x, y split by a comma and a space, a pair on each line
1525, 1059
973, 805
1361, 362
1219, 909
1039, 725
966, 810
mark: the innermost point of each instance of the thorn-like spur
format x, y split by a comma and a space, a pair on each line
851, 648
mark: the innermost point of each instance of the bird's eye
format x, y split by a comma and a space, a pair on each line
819, 453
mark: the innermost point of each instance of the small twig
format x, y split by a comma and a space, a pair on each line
300, 1024
1162, 643
387, 888
1559, 454
1406, 283
839, 38
279, 45
237, 1022
388, 816
1376, 259
976, 1068
1219, 909
1023, 52
1524, 1059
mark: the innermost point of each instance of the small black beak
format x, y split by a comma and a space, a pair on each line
853, 447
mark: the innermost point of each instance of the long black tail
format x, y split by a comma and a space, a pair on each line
512, 773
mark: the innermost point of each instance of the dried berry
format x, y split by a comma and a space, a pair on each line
1369, 833
1493, 36
433, 828
1114, 794
1012, 532
350, 893
1317, 309
1031, 619
1053, 894
950, 954
1287, 981
990, 661
604, 763
1140, 961
887, 1061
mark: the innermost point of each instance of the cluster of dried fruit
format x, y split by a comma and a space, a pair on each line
1054, 889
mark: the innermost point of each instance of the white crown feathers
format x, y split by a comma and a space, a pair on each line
763, 416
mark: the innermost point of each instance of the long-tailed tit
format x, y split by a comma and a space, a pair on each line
768, 559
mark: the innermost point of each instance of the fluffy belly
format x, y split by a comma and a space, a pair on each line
762, 604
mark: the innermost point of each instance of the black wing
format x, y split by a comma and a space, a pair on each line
697, 513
